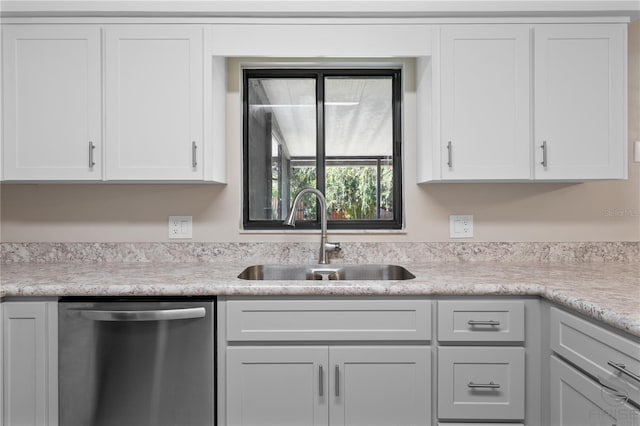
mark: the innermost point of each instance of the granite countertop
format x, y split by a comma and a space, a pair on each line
607, 292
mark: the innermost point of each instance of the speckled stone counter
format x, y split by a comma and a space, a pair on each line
608, 292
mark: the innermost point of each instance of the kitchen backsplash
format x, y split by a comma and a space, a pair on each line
578, 252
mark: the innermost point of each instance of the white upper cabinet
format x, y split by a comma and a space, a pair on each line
154, 102
51, 110
505, 109
485, 132
580, 97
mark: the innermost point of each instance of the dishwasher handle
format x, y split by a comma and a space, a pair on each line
142, 315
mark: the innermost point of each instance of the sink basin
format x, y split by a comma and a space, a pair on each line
371, 272
326, 272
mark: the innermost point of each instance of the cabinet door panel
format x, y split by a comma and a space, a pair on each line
51, 102
380, 386
278, 386
29, 364
580, 101
154, 102
576, 400
485, 102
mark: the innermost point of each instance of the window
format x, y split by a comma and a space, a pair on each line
335, 130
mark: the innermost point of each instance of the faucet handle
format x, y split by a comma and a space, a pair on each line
333, 247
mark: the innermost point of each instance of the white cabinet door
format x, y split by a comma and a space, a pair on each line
29, 364
51, 110
485, 102
278, 386
380, 385
576, 400
154, 102
580, 111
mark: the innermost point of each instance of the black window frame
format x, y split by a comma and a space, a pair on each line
319, 74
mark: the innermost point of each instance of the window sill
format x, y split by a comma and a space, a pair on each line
330, 231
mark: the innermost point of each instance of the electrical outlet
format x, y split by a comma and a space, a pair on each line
636, 153
180, 226
461, 226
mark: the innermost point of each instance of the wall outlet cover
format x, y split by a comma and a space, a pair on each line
180, 227
461, 226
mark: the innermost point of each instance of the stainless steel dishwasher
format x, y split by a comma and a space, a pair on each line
136, 362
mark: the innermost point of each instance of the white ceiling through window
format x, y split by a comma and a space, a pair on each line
358, 114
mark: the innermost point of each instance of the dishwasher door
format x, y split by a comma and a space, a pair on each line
136, 363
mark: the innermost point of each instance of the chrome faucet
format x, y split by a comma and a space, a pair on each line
291, 221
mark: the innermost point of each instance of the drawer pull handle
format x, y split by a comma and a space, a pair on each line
616, 392
92, 147
489, 385
194, 156
490, 322
544, 154
337, 380
623, 369
320, 381
449, 155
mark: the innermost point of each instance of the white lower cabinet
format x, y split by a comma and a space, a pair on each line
29, 364
487, 383
336, 385
576, 400
605, 379
339, 362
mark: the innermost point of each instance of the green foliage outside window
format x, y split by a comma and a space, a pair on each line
350, 191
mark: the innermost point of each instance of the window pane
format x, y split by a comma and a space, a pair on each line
281, 131
359, 147
350, 116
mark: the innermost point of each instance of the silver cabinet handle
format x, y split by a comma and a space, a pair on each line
623, 369
194, 157
157, 315
489, 385
449, 155
321, 381
337, 384
615, 391
544, 154
92, 147
489, 322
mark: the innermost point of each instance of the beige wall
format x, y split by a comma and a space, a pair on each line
599, 211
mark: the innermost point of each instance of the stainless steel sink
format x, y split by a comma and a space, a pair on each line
326, 272
371, 272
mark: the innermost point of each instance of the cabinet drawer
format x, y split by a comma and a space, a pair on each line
479, 321
481, 383
596, 350
317, 320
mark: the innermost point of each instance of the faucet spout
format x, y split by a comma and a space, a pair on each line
291, 221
